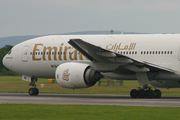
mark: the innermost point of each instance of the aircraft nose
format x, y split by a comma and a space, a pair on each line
5, 61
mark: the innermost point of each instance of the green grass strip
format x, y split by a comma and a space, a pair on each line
15, 84
85, 112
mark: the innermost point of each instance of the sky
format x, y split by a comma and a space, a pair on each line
40, 17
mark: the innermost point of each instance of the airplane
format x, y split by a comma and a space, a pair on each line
79, 61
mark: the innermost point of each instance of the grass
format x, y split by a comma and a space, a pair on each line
16, 85
87, 112
81, 112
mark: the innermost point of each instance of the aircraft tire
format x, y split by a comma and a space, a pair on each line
157, 93
150, 93
36, 91
141, 93
133, 93
33, 91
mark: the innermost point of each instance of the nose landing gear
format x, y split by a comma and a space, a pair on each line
145, 92
33, 90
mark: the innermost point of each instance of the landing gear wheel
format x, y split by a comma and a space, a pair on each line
36, 91
157, 93
149, 93
134, 93
141, 93
145, 92
33, 91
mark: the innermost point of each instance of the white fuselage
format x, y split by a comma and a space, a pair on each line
39, 57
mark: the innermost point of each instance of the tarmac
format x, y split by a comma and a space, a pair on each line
81, 99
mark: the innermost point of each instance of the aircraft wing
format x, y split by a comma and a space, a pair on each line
98, 54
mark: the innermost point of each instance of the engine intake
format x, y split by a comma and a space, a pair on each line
76, 75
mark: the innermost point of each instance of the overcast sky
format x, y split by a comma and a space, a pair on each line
40, 17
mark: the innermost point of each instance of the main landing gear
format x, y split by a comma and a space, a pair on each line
33, 90
145, 92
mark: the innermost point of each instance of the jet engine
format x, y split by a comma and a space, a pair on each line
166, 83
76, 75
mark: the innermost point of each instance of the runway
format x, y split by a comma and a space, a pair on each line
78, 99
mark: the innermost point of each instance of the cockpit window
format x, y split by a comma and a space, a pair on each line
9, 52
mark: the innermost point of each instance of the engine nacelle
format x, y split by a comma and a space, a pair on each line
76, 75
166, 83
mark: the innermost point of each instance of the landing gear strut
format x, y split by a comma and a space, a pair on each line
33, 90
145, 92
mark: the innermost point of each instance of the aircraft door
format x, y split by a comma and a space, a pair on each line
25, 54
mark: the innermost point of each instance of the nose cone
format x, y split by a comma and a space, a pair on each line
5, 61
